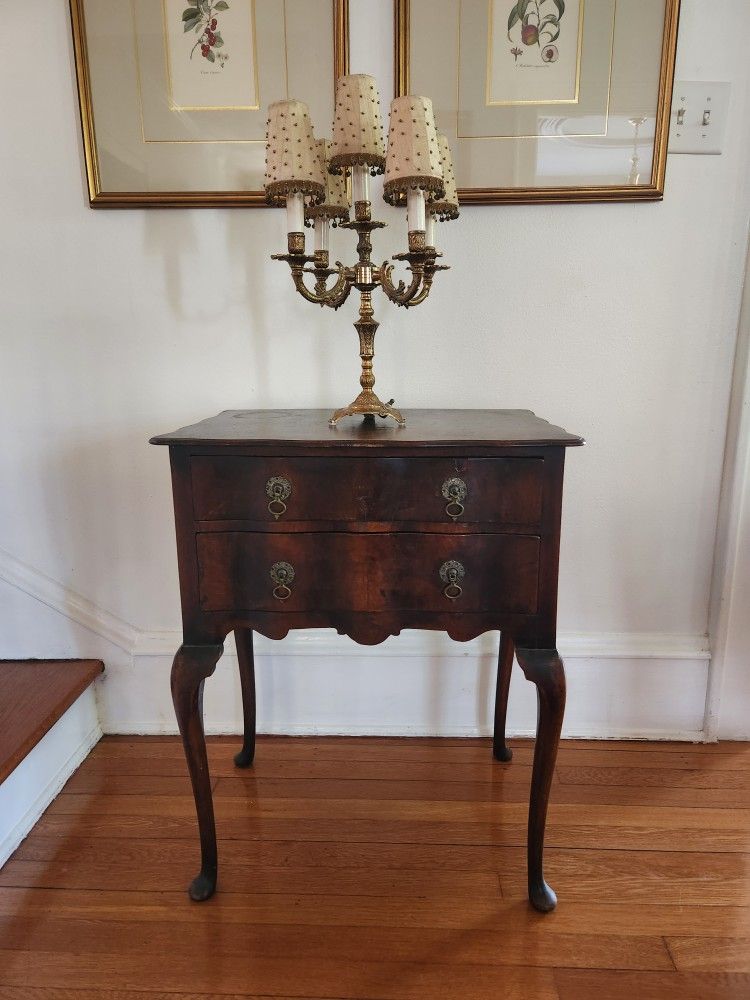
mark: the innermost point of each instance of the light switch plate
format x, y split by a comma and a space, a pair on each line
699, 117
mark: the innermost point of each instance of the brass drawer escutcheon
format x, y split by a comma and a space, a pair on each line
455, 492
278, 489
282, 575
451, 573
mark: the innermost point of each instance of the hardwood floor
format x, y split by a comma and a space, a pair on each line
386, 869
34, 694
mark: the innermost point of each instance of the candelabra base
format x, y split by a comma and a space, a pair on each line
369, 406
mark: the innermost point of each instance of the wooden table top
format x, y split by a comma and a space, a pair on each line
492, 428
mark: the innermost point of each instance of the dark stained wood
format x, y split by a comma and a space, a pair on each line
544, 668
243, 638
368, 573
394, 912
499, 491
500, 749
425, 429
34, 694
192, 665
365, 538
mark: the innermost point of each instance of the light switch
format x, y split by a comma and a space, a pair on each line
699, 117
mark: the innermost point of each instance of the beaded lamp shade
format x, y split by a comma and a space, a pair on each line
357, 125
413, 159
335, 204
446, 207
292, 163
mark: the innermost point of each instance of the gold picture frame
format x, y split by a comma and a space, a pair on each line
649, 187
103, 196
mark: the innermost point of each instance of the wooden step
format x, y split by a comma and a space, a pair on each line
34, 694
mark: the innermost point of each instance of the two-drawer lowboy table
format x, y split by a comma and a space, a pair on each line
449, 523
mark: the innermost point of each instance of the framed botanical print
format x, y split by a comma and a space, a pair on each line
174, 93
545, 100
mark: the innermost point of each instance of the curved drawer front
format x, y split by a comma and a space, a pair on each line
374, 572
475, 490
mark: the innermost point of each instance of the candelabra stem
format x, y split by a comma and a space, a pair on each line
367, 403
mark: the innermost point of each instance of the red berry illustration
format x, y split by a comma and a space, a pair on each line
204, 50
213, 24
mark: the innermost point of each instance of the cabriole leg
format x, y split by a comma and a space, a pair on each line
192, 665
243, 638
544, 668
500, 750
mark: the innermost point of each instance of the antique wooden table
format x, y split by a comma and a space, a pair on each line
450, 523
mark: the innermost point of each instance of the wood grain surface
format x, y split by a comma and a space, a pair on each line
386, 869
34, 694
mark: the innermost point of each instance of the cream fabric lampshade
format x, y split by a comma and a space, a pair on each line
413, 159
335, 204
292, 162
357, 125
446, 207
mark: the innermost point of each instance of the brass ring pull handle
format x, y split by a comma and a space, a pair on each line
455, 492
278, 490
282, 574
451, 573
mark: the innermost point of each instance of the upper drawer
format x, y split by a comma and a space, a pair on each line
484, 490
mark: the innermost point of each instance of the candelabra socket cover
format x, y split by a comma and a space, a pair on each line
417, 241
296, 243
321, 259
363, 211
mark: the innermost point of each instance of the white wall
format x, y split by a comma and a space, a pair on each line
617, 321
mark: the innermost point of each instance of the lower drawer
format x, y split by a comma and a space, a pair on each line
338, 572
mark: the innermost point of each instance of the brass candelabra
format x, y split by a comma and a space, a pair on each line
365, 276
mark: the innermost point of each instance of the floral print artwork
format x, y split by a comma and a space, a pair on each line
202, 17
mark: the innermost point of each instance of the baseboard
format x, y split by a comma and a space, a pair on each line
154, 728
38, 779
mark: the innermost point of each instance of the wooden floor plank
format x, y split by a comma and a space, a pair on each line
697, 954
308, 751
231, 807
657, 777
64, 993
245, 876
288, 975
358, 869
507, 916
577, 793
531, 946
371, 869
501, 789
585, 985
619, 834
100, 770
